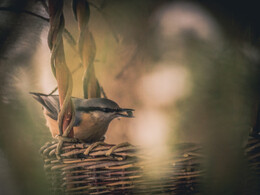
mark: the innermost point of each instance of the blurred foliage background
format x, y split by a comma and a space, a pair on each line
189, 68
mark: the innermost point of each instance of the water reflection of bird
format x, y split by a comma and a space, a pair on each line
92, 115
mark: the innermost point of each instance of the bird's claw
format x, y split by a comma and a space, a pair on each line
66, 139
102, 139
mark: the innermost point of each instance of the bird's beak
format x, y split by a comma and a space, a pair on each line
125, 112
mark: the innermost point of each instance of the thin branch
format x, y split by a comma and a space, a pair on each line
18, 10
53, 91
128, 64
69, 38
45, 6
106, 20
103, 92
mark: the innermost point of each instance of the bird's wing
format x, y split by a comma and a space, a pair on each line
78, 117
50, 103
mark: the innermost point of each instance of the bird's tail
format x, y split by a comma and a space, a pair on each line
49, 102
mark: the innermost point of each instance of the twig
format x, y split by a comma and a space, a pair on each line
102, 91
106, 20
127, 65
45, 6
18, 10
69, 38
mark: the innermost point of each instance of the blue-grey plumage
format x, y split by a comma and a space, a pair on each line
92, 115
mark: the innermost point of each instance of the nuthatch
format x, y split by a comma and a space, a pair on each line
92, 115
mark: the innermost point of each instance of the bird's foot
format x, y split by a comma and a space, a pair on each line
102, 138
93, 146
67, 139
112, 149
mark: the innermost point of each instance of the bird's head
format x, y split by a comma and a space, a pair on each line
103, 109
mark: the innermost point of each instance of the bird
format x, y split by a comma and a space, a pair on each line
92, 116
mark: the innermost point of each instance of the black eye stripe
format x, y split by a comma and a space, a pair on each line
90, 109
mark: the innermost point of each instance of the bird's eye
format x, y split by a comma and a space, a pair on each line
106, 109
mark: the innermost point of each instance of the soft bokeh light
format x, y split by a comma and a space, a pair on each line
165, 85
42, 58
149, 128
176, 18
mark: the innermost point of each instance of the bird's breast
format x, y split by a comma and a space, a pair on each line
91, 129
